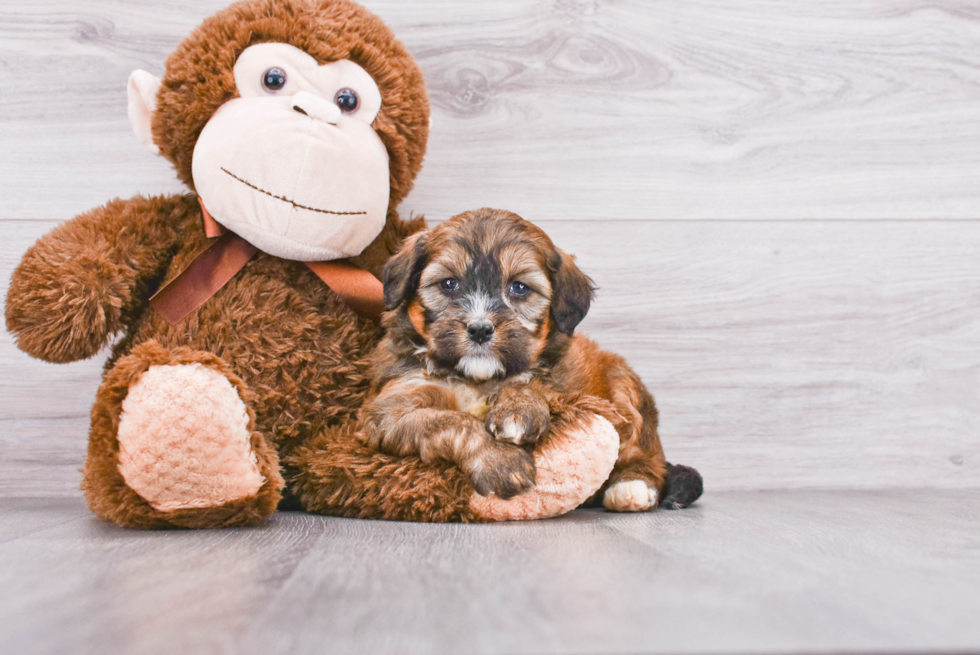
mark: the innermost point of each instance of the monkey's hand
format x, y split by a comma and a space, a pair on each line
519, 414
79, 283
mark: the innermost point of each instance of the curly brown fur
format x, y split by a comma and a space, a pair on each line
293, 349
481, 313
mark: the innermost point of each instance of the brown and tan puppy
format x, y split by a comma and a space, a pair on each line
480, 320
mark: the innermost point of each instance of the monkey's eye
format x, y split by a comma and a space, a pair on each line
518, 289
273, 80
347, 100
449, 285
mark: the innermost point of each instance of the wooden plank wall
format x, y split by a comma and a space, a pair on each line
779, 200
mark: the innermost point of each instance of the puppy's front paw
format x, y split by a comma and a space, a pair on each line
630, 496
519, 416
502, 469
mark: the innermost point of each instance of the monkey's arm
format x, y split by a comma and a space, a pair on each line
86, 279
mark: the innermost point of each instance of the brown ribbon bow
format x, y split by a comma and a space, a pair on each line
228, 254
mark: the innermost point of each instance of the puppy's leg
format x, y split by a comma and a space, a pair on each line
425, 420
519, 413
638, 479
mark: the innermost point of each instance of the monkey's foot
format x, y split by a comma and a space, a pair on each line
184, 439
630, 496
572, 462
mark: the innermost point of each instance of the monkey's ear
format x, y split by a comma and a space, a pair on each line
571, 292
402, 272
142, 93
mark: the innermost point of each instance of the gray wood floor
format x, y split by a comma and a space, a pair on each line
740, 572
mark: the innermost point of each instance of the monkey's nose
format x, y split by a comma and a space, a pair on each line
480, 332
316, 107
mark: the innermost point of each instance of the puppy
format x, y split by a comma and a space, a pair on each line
480, 317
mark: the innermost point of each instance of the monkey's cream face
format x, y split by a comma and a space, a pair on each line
293, 165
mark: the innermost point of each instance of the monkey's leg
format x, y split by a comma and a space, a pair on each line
173, 444
337, 473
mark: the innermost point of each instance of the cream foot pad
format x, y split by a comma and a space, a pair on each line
184, 439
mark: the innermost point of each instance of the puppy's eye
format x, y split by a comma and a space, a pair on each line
518, 289
449, 285
274, 79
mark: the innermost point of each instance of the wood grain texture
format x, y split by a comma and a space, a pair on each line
741, 572
782, 354
573, 109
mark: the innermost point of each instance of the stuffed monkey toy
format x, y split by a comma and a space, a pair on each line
240, 314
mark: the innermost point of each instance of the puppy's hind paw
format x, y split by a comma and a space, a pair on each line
630, 496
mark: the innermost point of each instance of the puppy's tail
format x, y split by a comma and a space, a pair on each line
684, 486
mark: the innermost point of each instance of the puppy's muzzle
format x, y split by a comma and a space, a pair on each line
480, 332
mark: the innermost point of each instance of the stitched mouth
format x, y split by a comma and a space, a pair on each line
291, 202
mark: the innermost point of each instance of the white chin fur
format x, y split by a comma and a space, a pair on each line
479, 367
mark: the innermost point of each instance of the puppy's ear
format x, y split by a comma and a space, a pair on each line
402, 272
571, 292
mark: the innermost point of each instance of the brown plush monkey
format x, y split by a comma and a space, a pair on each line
192, 419
299, 125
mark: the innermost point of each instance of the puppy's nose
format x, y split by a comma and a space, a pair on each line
480, 332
